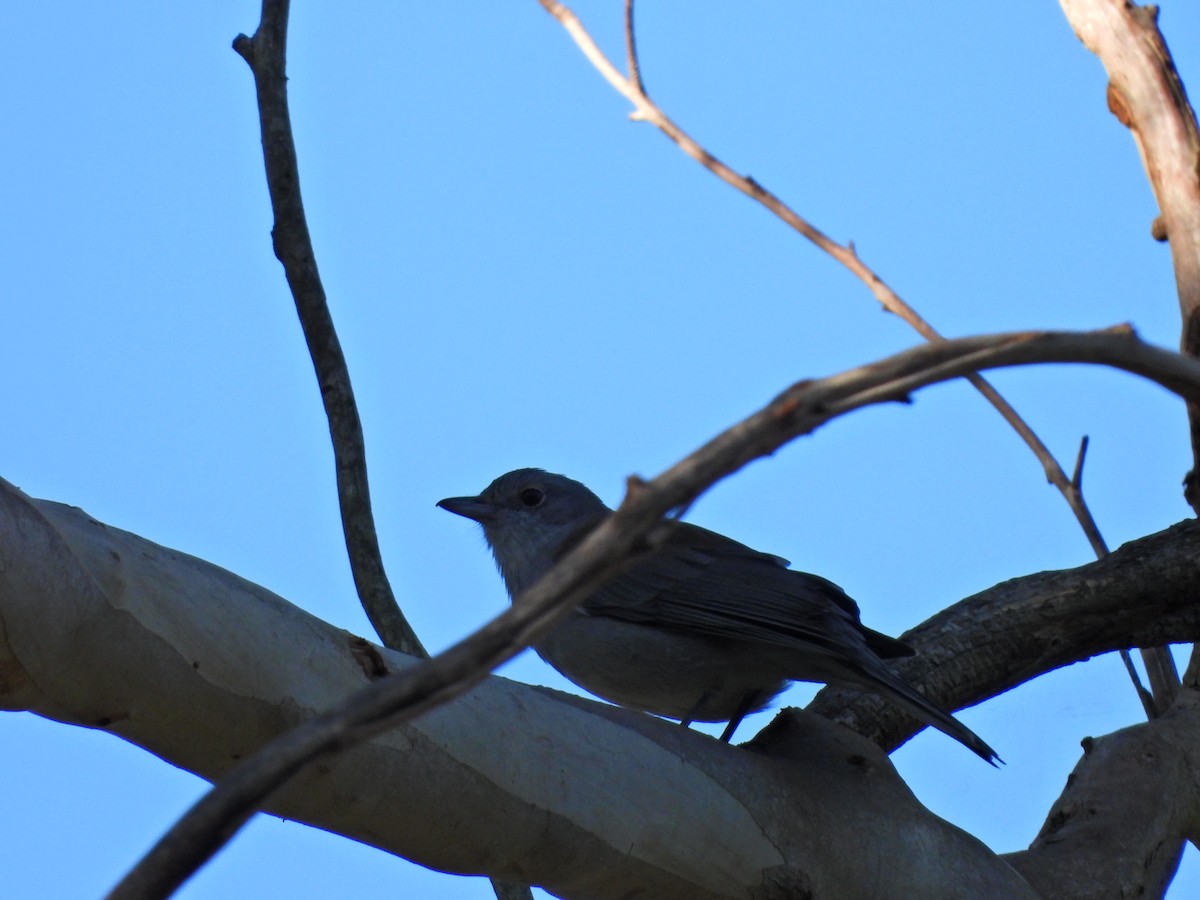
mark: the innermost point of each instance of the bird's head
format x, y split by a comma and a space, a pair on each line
530, 518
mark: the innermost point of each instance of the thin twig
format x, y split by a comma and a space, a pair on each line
1077, 475
1147, 698
635, 71
265, 54
645, 109
799, 410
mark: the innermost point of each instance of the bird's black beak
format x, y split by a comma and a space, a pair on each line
472, 507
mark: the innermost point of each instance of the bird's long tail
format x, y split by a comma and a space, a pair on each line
921, 707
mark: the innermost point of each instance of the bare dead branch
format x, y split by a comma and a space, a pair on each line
1077, 475
799, 410
646, 110
1146, 698
635, 70
265, 53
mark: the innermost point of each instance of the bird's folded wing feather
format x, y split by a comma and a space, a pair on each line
703, 582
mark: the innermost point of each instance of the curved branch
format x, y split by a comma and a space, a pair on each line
265, 54
799, 410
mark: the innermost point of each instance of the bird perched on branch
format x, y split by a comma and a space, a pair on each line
700, 628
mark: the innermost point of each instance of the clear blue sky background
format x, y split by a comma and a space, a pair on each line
521, 276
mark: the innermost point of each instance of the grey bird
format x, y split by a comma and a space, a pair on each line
700, 628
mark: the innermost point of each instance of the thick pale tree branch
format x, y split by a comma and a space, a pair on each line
265, 53
1146, 95
104, 629
799, 410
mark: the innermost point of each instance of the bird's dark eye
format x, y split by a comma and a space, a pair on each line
532, 497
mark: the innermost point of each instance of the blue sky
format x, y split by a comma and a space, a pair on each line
521, 276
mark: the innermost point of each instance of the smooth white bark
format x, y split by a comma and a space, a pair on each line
101, 628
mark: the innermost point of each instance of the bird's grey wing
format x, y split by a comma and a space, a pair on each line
702, 582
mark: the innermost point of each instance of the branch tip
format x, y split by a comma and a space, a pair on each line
244, 47
1077, 475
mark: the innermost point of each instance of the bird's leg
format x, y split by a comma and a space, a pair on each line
748, 703
695, 710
